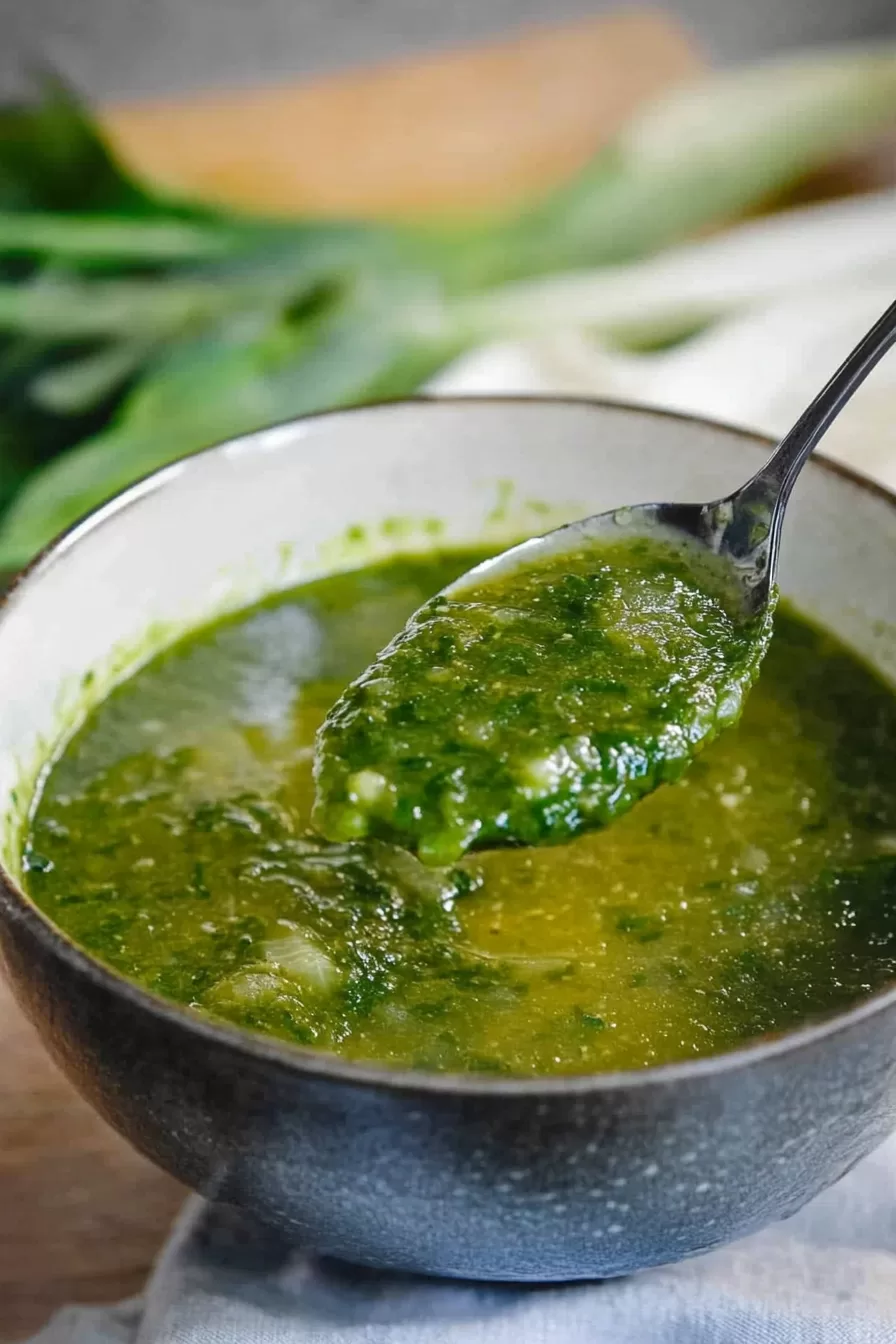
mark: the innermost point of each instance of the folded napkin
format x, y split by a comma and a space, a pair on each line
825, 1276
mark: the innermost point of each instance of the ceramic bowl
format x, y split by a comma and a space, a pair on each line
529, 1179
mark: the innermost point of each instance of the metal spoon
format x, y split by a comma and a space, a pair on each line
744, 528
415, 780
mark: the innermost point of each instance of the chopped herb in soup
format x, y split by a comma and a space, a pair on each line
536, 704
172, 839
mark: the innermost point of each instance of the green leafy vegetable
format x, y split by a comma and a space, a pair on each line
106, 237
135, 327
51, 158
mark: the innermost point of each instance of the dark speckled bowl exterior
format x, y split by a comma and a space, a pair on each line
551, 1179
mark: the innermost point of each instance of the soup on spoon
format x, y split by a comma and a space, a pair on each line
539, 703
546, 692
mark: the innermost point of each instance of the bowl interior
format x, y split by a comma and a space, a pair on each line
266, 511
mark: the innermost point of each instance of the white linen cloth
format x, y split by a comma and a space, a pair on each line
825, 1276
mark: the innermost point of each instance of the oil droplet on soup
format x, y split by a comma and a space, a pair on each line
172, 840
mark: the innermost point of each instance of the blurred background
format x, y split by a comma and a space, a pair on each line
125, 48
235, 211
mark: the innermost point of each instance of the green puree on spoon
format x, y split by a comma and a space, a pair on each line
546, 691
527, 707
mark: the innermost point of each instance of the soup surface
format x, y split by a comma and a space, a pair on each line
172, 839
533, 705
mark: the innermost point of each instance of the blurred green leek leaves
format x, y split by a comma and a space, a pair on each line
135, 328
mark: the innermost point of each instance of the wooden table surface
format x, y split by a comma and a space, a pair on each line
81, 1215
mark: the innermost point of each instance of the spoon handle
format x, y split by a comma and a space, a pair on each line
747, 525
792, 452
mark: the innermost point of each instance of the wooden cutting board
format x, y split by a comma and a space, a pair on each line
81, 1215
473, 129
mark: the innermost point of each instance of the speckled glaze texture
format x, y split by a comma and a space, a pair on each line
575, 1182
558, 1179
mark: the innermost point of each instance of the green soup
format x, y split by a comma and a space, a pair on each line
172, 840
